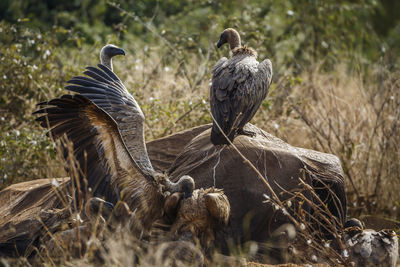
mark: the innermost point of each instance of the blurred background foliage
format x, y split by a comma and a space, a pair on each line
300, 31
321, 51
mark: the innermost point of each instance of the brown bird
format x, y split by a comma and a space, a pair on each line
238, 87
108, 52
105, 125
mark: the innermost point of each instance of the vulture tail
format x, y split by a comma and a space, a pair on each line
217, 138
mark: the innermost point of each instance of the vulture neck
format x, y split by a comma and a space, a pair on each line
237, 48
234, 40
244, 50
106, 61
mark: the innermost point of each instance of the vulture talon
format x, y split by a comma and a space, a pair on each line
246, 133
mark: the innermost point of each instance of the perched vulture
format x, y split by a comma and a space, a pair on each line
367, 247
105, 125
108, 52
238, 87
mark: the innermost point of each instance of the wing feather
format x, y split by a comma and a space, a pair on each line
95, 75
261, 82
97, 144
238, 87
107, 91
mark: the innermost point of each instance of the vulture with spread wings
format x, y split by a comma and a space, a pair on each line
105, 125
238, 87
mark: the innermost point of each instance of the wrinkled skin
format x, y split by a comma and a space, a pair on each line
251, 219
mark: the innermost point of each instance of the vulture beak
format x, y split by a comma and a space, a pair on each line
222, 39
109, 205
220, 42
119, 51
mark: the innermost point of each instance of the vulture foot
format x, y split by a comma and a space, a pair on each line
246, 132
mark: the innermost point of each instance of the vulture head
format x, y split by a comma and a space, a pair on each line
185, 185
353, 223
230, 36
108, 52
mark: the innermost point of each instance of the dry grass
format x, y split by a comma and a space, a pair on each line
351, 114
354, 117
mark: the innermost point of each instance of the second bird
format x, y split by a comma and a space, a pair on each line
238, 87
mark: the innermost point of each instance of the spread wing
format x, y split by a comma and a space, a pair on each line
239, 86
103, 158
106, 90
